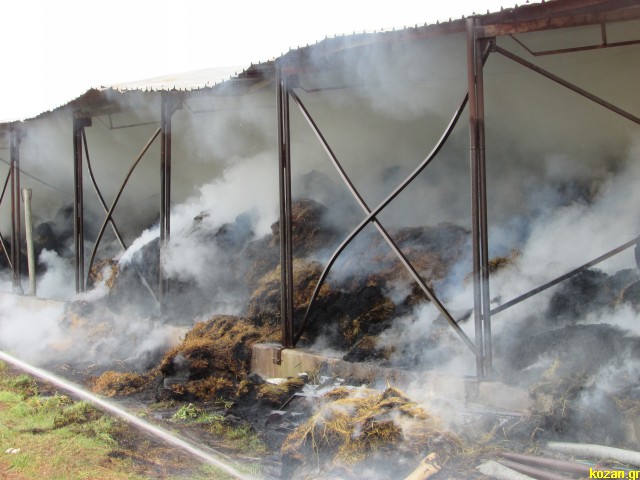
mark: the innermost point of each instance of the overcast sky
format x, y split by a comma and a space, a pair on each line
55, 50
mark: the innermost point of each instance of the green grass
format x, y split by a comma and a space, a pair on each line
241, 438
57, 437
63, 439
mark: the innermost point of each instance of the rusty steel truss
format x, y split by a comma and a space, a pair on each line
481, 34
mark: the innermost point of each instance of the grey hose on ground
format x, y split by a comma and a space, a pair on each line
628, 457
500, 472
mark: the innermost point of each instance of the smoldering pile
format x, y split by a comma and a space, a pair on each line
352, 427
579, 359
357, 302
359, 311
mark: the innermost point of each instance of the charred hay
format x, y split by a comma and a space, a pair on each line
589, 292
366, 426
221, 344
311, 231
571, 407
341, 314
276, 394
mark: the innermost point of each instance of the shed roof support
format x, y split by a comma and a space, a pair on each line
80, 121
566, 84
284, 181
479, 234
167, 109
14, 149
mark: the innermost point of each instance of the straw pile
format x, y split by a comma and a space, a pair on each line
221, 344
104, 271
278, 394
350, 427
113, 384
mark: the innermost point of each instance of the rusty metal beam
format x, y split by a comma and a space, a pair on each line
284, 180
2, 242
167, 109
385, 234
80, 121
356, 231
479, 229
382, 205
110, 219
14, 148
567, 275
612, 12
565, 83
585, 48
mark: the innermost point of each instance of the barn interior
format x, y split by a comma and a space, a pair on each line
446, 209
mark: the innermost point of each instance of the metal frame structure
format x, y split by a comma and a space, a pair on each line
481, 35
168, 106
15, 139
13, 136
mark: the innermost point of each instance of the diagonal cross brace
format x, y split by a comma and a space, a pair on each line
114, 227
2, 244
115, 201
371, 217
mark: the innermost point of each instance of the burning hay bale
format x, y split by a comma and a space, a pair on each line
350, 429
264, 304
310, 231
368, 349
499, 263
568, 406
345, 313
589, 292
104, 271
221, 344
112, 384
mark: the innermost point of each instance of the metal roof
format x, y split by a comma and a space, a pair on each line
550, 14
186, 81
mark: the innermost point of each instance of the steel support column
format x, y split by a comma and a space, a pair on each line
15, 139
480, 249
284, 166
167, 109
80, 121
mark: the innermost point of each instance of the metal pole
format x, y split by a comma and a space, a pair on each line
79, 123
483, 212
167, 109
15, 209
28, 228
474, 154
284, 165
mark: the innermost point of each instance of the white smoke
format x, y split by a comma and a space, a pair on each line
31, 334
54, 283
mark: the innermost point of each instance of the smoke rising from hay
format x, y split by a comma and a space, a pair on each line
561, 181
